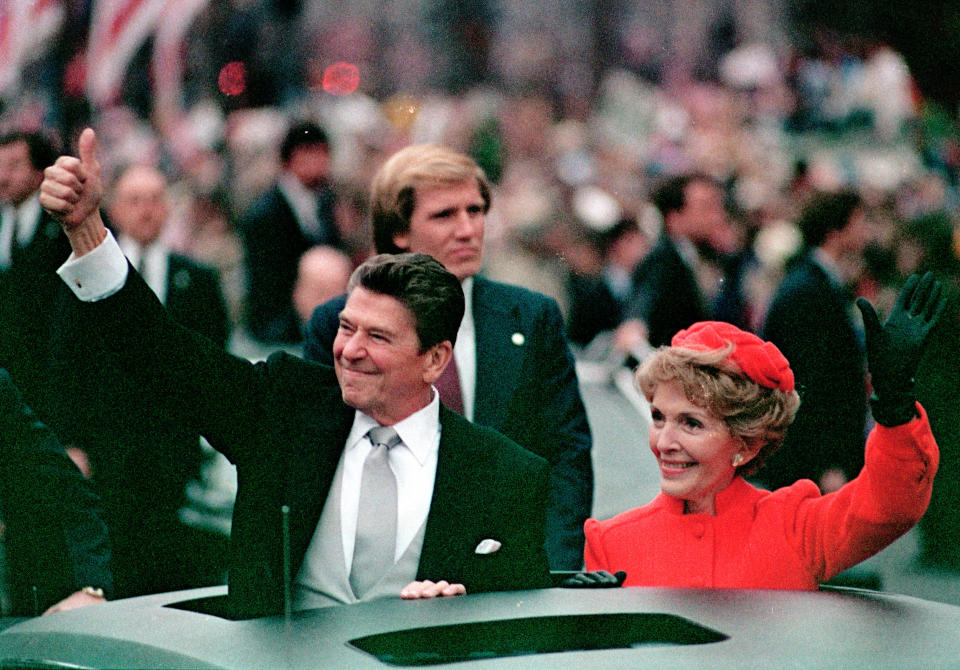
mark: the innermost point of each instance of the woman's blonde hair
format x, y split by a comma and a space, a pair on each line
710, 380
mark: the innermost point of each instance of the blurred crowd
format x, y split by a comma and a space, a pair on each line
576, 135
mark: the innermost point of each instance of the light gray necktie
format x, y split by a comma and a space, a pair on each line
376, 540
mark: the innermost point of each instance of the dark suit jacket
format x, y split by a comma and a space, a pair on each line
593, 308
666, 295
273, 244
128, 434
283, 423
29, 292
809, 320
195, 298
55, 539
527, 389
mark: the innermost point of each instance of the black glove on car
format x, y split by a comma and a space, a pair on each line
894, 349
597, 579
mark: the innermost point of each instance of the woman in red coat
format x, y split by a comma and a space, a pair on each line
721, 400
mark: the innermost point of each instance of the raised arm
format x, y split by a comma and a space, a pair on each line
199, 385
893, 490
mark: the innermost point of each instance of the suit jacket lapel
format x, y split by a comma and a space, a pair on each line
452, 523
497, 322
311, 471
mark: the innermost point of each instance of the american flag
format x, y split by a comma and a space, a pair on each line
27, 30
117, 29
168, 60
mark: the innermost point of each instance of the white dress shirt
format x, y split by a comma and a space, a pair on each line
98, 274
18, 226
303, 202
414, 463
151, 262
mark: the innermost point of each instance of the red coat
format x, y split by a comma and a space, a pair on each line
791, 538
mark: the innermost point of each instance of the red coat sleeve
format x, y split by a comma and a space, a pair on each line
887, 498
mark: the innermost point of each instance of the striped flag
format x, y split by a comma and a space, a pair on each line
168, 58
27, 30
117, 29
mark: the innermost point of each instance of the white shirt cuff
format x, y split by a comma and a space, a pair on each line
98, 274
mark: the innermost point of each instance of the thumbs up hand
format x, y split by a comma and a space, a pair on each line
71, 192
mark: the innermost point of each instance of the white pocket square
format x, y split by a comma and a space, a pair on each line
488, 546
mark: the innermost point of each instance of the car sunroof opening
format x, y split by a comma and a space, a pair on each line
534, 635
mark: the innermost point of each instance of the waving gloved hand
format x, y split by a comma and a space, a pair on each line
894, 349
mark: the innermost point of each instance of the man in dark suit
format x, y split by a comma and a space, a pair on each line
513, 366
296, 214
667, 295
56, 551
810, 320
470, 503
129, 435
138, 210
31, 248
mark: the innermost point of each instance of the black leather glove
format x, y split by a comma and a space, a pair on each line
894, 349
598, 579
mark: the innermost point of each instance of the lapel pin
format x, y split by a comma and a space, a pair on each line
181, 279
518, 339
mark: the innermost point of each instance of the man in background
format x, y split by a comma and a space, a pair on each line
31, 248
668, 288
811, 320
296, 214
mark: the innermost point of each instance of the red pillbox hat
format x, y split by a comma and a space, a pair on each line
759, 360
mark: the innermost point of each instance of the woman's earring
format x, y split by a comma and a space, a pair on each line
737, 460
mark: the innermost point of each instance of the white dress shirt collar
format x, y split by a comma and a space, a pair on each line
302, 200
151, 262
416, 431
28, 218
829, 266
19, 225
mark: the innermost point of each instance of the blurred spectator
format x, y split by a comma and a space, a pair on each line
322, 275
926, 243
141, 459
31, 249
54, 544
597, 302
295, 214
810, 320
667, 293
138, 211
212, 240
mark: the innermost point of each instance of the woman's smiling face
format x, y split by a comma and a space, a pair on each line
693, 447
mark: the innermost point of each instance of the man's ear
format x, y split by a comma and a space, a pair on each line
402, 241
436, 358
